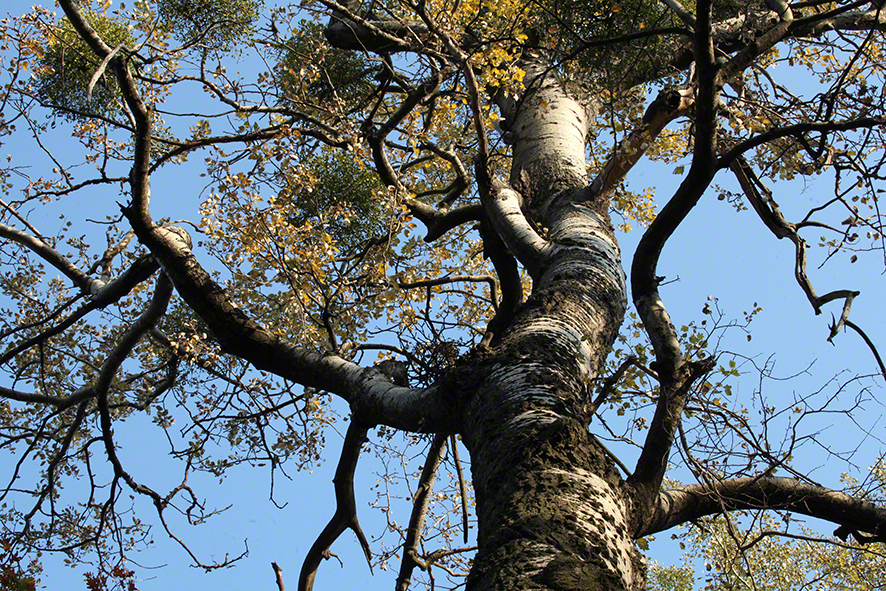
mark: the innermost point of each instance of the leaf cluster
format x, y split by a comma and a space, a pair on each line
343, 199
68, 65
213, 24
310, 70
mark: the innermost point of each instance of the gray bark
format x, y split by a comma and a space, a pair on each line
553, 511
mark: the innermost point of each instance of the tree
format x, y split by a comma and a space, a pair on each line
504, 322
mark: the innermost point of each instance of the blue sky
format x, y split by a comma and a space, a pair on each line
717, 252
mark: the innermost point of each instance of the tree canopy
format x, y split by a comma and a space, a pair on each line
401, 220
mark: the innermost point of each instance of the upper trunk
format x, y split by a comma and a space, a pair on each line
553, 513
549, 128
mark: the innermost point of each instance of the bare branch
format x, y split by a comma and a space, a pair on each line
345, 515
278, 575
349, 30
441, 222
768, 210
797, 129
869, 343
421, 498
462, 486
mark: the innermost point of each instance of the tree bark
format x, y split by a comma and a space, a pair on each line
553, 511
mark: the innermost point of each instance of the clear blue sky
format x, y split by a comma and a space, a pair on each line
718, 252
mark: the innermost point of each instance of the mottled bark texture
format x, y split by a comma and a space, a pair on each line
553, 512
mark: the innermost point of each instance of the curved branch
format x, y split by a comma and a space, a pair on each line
687, 503
731, 34
345, 515
458, 187
376, 137
869, 343
421, 498
372, 396
502, 205
644, 282
675, 375
131, 337
439, 222
768, 210
138, 329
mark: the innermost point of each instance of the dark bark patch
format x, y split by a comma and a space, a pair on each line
568, 573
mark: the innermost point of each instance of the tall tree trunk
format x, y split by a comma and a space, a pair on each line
553, 511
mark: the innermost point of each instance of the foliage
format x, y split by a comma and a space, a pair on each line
344, 197
310, 70
12, 581
352, 167
758, 554
212, 24
68, 65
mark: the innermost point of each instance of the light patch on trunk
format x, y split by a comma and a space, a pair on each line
534, 418
567, 337
604, 520
515, 380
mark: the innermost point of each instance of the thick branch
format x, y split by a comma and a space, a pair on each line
347, 29
439, 222
684, 15
676, 377
687, 503
372, 395
667, 106
523, 242
731, 35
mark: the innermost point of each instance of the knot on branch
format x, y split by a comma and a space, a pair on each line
394, 370
176, 235
843, 532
